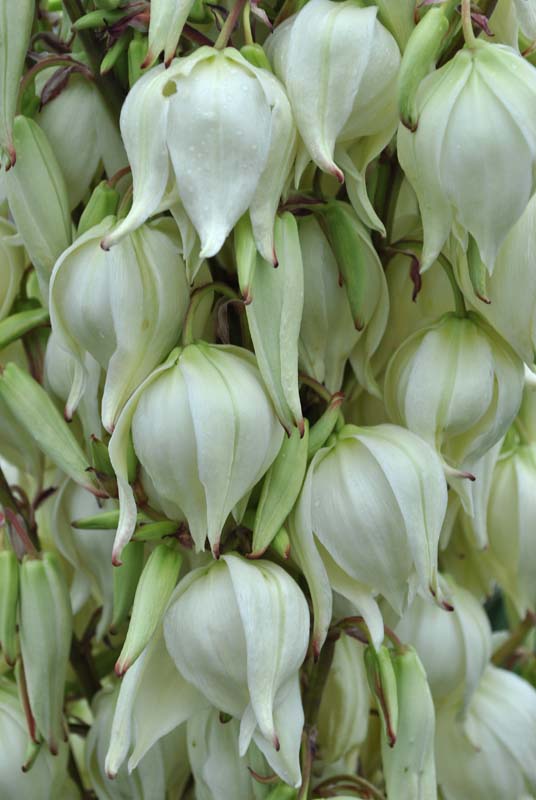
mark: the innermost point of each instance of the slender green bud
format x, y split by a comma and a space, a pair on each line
45, 640
126, 579
38, 199
9, 597
114, 53
324, 427
155, 586
137, 53
155, 531
102, 203
348, 239
15, 326
255, 54
108, 5
246, 256
106, 521
100, 458
382, 683
98, 19
280, 544
15, 29
409, 766
280, 489
421, 53
35, 411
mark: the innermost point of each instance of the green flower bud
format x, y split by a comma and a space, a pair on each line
327, 333
89, 552
125, 308
12, 264
34, 411
510, 525
17, 444
261, 641
344, 710
208, 403
274, 318
82, 134
453, 646
365, 285
457, 384
154, 589
223, 165
15, 29
409, 766
45, 641
491, 754
38, 199
103, 203
167, 21
476, 135
382, 683
48, 778
398, 16
126, 577
165, 767
280, 489
9, 600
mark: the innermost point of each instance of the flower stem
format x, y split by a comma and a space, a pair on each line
229, 25
459, 301
467, 24
516, 638
246, 23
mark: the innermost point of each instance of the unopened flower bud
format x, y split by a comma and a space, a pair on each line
247, 664
409, 766
398, 16
280, 489
457, 156
327, 333
82, 134
364, 281
126, 577
224, 164
124, 307
167, 21
274, 318
453, 646
9, 600
382, 684
103, 203
457, 384
36, 413
154, 589
207, 403
45, 640
15, 29
491, 753
38, 199
510, 526
12, 263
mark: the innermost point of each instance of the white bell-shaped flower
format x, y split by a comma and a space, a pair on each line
224, 130
454, 646
492, 753
125, 308
372, 504
476, 135
219, 771
246, 659
205, 431
339, 66
457, 384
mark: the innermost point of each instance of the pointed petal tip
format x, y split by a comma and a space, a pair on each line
359, 324
277, 745
121, 667
337, 173
300, 424
116, 559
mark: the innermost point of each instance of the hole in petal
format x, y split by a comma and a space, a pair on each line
169, 88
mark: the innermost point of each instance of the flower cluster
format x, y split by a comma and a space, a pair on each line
267, 399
